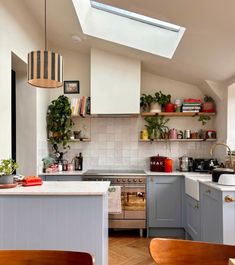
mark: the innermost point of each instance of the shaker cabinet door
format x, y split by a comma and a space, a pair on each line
164, 204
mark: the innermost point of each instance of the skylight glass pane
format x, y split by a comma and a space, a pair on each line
135, 16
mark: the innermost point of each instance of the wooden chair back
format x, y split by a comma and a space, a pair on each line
44, 257
185, 252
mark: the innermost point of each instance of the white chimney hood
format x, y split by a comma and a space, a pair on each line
115, 83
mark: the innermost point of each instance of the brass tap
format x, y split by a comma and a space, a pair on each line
229, 149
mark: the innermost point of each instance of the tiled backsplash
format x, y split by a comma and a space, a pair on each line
114, 145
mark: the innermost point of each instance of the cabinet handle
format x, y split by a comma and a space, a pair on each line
196, 206
208, 191
229, 199
152, 179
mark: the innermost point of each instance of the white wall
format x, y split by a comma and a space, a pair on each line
114, 141
26, 133
231, 117
20, 34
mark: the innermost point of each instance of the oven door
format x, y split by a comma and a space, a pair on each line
134, 202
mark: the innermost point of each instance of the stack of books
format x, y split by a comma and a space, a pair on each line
80, 106
191, 106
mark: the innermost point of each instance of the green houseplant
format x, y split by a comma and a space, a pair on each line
208, 104
59, 122
146, 101
204, 119
159, 101
156, 127
7, 167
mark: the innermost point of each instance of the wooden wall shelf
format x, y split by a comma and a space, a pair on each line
178, 114
179, 140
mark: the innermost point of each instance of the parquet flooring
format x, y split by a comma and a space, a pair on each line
129, 250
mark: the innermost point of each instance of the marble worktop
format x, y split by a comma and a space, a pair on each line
63, 173
61, 188
217, 186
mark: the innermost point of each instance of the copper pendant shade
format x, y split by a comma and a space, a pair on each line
45, 68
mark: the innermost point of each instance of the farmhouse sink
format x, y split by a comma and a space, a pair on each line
192, 185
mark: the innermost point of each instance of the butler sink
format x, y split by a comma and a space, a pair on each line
192, 184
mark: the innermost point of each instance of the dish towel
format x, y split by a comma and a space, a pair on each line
114, 199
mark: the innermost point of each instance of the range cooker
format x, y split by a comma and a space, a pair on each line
133, 196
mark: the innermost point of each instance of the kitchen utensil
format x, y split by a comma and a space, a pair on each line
173, 133
219, 171
211, 134
203, 164
170, 107
144, 135
187, 134
157, 163
168, 164
190, 164
183, 163
227, 179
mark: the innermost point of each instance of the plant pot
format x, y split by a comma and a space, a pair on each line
6, 179
155, 107
208, 107
170, 107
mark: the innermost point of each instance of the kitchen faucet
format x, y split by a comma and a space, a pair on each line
229, 149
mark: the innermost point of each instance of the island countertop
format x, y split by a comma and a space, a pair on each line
61, 188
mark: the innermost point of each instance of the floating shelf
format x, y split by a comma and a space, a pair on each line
80, 140
178, 114
179, 140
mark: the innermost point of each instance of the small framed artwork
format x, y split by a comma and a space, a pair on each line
71, 87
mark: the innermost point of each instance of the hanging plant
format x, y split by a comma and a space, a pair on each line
204, 119
59, 122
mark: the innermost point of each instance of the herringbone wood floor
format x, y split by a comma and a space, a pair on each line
129, 250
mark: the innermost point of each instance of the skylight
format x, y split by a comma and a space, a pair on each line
135, 16
129, 29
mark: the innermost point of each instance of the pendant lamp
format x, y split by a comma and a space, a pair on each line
45, 68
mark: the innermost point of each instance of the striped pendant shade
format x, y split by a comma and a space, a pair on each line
45, 69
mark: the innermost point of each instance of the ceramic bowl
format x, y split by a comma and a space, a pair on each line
227, 179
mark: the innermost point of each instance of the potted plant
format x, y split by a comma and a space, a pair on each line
159, 102
7, 167
156, 127
208, 104
59, 122
145, 102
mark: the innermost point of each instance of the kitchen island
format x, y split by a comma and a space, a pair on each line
58, 216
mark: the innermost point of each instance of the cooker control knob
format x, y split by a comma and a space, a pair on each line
118, 180
135, 180
123, 180
129, 180
140, 180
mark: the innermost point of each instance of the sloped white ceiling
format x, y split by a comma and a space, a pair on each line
206, 51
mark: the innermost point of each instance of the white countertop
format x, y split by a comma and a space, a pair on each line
61, 188
63, 173
176, 173
217, 186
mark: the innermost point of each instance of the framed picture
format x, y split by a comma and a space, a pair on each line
71, 87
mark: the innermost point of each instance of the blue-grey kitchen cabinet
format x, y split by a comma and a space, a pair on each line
211, 214
61, 177
164, 201
192, 218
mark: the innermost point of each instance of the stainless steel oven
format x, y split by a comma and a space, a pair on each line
133, 196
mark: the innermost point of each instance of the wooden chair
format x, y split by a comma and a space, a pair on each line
44, 257
185, 252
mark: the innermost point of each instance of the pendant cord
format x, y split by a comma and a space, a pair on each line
45, 24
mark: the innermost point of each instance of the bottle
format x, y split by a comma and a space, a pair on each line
80, 161
60, 166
